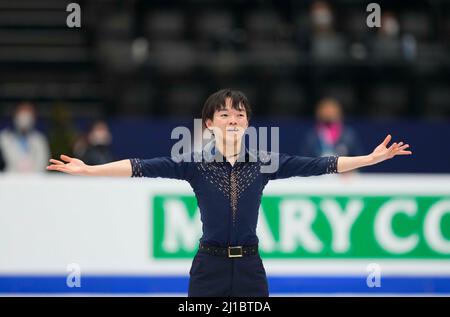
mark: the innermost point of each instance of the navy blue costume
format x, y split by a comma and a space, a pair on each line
229, 197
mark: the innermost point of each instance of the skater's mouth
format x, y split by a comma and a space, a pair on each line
232, 130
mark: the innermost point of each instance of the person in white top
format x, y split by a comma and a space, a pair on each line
24, 149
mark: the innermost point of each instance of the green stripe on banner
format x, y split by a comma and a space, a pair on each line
402, 227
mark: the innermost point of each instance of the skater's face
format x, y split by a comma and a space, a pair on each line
228, 124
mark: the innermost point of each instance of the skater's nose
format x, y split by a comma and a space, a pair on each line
232, 120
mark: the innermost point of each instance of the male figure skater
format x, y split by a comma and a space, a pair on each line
228, 189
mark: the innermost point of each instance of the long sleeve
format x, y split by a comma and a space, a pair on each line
161, 167
291, 165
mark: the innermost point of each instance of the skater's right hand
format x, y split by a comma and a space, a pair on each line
72, 166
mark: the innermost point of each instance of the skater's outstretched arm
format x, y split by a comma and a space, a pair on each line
381, 153
165, 167
75, 166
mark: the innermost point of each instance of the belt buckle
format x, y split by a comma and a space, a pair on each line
235, 255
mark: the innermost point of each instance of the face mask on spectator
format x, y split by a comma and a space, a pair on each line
99, 137
24, 121
328, 122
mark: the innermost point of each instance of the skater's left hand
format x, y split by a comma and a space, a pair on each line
382, 152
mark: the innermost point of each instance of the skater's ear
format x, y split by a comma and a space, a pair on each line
209, 124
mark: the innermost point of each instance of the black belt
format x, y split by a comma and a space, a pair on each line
231, 252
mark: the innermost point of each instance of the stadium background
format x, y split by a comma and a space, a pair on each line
147, 66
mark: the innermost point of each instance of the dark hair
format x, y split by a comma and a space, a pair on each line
217, 102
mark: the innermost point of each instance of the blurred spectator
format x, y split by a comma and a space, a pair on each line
390, 27
387, 44
326, 44
95, 149
330, 136
24, 149
321, 17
